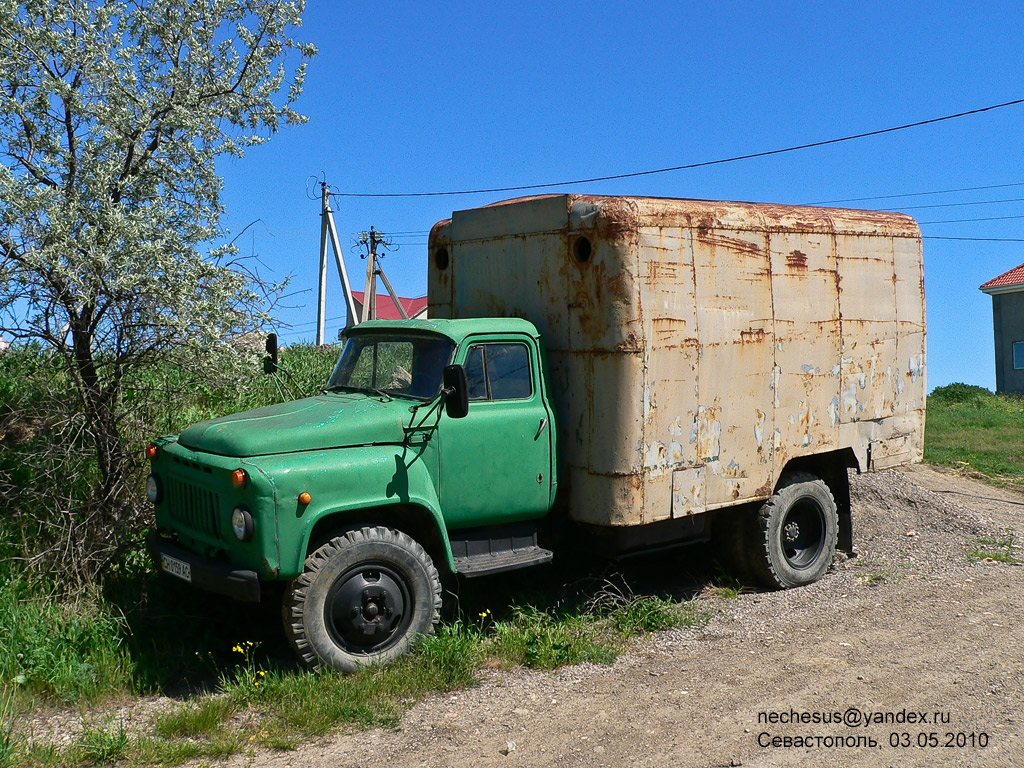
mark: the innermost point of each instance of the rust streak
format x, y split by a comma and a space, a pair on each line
796, 260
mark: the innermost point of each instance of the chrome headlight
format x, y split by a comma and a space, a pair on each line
153, 489
242, 523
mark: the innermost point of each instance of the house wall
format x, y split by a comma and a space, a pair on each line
1008, 324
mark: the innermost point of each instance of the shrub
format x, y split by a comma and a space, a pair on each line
959, 393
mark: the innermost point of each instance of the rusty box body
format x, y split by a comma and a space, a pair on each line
696, 348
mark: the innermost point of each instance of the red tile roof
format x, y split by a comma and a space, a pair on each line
1014, 277
386, 309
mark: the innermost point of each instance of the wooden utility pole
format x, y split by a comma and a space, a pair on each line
370, 297
371, 240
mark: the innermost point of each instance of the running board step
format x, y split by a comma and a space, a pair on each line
488, 563
484, 551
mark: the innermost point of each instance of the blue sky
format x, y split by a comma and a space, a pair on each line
410, 97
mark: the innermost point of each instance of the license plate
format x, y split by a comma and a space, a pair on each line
176, 567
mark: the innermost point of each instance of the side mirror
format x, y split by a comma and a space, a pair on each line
270, 361
456, 392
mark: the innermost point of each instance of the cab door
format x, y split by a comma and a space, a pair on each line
495, 464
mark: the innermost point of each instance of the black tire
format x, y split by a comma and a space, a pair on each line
364, 597
792, 540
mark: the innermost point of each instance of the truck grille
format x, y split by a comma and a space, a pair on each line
192, 506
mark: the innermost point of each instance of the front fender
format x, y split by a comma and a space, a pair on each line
344, 481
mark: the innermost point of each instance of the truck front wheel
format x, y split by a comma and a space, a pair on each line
792, 540
364, 597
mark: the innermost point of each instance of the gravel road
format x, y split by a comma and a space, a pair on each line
913, 626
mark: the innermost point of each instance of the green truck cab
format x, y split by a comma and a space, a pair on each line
617, 374
359, 496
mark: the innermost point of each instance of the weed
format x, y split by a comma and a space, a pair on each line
157, 751
67, 649
655, 614
314, 703
999, 549
877, 576
10, 742
726, 586
447, 660
196, 719
102, 744
542, 640
244, 684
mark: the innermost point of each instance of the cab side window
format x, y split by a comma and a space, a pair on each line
476, 378
499, 372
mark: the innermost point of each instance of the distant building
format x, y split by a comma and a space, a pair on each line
416, 309
1007, 292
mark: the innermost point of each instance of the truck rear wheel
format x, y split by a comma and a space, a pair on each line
364, 597
792, 540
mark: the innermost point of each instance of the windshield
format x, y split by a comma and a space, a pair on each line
398, 365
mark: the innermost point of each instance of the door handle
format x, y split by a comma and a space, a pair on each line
541, 428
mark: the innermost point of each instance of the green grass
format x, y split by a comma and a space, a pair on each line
11, 744
999, 549
65, 649
970, 428
726, 586
102, 744
195, 719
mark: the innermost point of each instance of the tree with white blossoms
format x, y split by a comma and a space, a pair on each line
112, 115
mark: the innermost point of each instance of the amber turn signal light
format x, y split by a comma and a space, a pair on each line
305, 498
239, 478
151, 451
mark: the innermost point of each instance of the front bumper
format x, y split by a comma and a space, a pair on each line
207, 574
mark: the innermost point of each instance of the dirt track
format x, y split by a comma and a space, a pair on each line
913, 624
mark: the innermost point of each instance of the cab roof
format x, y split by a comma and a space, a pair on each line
456, 330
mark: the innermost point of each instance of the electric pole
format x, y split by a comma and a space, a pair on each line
328, 231
370, 240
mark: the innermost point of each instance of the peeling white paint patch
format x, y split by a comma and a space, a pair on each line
805, 414
759, 426
777, 440
655, 459
675, 453
774, 386
733, 470
916, 369
709, 433
833, 411
851, 376
676, 427
808, 368
687, 491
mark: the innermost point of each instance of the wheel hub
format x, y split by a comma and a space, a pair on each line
364, 609
803, 533
792, 532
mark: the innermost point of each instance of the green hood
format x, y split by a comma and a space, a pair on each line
327, 421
